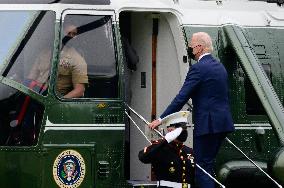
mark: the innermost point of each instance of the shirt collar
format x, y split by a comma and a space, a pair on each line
203, 56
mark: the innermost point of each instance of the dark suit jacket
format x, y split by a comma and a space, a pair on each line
207, 84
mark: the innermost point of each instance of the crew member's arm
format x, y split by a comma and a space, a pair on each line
79, 77
33, 73
78, 91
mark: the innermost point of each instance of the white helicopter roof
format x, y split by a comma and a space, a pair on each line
188, 12
212, 13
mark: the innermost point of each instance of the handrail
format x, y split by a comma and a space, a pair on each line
160, 134
258, 78
274, 181
227, 139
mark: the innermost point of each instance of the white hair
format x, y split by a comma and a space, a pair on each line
205, 40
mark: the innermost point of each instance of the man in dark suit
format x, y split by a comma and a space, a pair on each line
206, 84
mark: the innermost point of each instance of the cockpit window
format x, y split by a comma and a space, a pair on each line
87, 65
26, 47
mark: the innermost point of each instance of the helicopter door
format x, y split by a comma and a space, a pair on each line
154, 81
93, 46
26, 47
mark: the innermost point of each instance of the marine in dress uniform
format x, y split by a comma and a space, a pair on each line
172, 161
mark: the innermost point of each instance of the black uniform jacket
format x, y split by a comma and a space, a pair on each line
170, 161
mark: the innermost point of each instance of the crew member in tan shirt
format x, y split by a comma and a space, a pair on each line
72, 69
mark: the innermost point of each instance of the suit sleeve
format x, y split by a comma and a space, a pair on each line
192, 80
151, 153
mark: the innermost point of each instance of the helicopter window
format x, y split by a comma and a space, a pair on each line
28, 45
87, 58
253, 104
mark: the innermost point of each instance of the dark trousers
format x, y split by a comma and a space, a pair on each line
205, 150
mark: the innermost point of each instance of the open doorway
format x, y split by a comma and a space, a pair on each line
153, 81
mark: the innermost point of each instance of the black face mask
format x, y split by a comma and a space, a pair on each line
183, 135
189, 53
66, 39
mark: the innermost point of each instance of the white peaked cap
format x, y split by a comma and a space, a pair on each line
177, 117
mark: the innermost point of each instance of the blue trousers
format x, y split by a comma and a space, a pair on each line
205, 149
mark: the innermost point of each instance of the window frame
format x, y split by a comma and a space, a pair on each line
8, 65
90, 12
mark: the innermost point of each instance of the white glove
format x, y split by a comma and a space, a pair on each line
173, 134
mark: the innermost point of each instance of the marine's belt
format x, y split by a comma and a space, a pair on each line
172, 184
